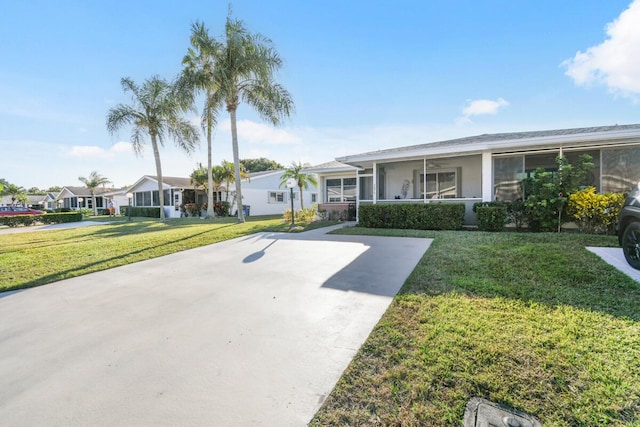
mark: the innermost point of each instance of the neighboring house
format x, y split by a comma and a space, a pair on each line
49, 201
75, 198
35, 201
177, 191
264, 196
479, 168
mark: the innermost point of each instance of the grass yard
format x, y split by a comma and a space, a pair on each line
533, 321
41, 257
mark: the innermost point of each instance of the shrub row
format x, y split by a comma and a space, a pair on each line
595, 213
430, 216
48, 218
140, 211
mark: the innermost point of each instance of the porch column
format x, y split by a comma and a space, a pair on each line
487, 177
424, 180
357, 195
375, 182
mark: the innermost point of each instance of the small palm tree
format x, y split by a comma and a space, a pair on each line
245, 64
228, 173
16, 192
94, 181
302, 179
198, 76
156, 112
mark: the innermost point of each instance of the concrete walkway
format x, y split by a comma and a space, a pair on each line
252, 331
615, 257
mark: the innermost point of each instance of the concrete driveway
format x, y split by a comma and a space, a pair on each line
252, 331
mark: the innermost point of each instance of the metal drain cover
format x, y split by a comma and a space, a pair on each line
483, 413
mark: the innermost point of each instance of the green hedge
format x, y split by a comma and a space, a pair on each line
417, 216
491, 218
48, 218
140, 211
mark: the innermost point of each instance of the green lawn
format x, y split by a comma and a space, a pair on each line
533, 321
37, 258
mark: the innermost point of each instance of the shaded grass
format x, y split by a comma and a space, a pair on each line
37, 258
533, 321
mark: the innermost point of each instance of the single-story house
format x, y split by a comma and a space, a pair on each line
74, 198
264, 195
478, 168
261, 193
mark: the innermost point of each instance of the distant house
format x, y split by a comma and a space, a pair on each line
478, 168
75, 198
261, 193
264, 195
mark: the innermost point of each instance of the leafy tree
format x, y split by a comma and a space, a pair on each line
245, 65
547, 192
54, 189
94, 181
303, 179
3, 184
35, 190
198, 76
16, 192
260, 165
156, 112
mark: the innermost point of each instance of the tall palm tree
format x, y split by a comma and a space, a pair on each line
94, 181
303, 179
156, 112
198, 75
245, 64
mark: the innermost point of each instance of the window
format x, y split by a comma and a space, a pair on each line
440, 185
276, 197
507, 174
314, 197
340, 190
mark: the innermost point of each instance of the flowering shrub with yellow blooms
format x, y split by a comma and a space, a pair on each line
595, 213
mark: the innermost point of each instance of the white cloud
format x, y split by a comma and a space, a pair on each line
95, 152
260, 133
616, 61
483, 106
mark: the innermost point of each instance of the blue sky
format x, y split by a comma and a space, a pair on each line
364, 75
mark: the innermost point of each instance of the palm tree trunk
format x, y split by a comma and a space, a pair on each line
236, 163
209, 168
156, 156
301, 198
93, 203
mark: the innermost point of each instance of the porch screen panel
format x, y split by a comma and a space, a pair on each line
146, 198
349, 190
366, 188
506, 185
140, 199
334, 190
620, 169
167, 197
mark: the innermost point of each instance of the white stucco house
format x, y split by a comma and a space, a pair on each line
478, 168
261, 193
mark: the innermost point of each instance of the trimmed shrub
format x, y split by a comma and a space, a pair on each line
595, 213
417, 216
303, 215
53, 218
491, 218
140, 211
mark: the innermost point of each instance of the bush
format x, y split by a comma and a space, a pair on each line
491, 218
303, 215
418, 216
141, 211
595, 213
53, 218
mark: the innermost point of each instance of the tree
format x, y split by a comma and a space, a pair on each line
302, 179
245, 64
260, 165
54, 189
227, 172
198, 75
94, 181
16, 192
35, 190
156, 112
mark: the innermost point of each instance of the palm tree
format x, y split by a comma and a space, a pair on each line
156, 112
302, 179
228, 174
16, 192
245, 64
94, 181
198, 75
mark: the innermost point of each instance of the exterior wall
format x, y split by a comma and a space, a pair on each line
255, 193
